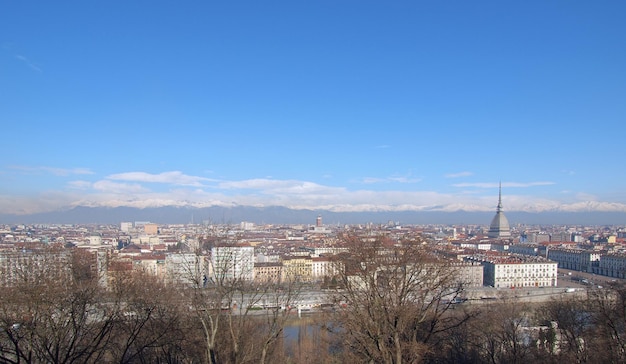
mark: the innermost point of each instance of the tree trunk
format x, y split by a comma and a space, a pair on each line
398, 347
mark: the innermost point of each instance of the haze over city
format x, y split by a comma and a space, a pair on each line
345, 106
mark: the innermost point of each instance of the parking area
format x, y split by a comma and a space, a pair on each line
575, 279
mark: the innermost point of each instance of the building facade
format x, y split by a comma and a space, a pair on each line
298, 269
517, 271
268, 272
575, 259
230, 263
613, 265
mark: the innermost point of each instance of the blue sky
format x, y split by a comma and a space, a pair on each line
341, 105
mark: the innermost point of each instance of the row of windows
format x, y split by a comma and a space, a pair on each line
540, 266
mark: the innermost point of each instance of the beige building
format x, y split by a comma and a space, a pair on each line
297, 268
151, 229
268, 272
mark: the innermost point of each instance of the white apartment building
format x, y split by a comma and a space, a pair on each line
232, 263
187, 269
323, 267
328, 251
517, 271
126, 226
475, 246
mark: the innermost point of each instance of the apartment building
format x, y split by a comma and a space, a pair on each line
470, 274
187, 269
34, 265
575, 259
232, 263
298, 268
517, 271
268, 272
613, 265
322, 267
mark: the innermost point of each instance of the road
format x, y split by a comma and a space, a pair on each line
573, 278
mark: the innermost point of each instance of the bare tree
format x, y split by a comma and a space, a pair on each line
55, 310
277, 302
504, 333
397, 298
510, 332
47, 314
608, 309
241, 320
569, 329
149, 319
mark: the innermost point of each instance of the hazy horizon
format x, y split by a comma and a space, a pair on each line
281, 215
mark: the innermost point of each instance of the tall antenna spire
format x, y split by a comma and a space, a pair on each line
500, 197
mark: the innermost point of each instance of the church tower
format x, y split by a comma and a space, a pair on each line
499, 227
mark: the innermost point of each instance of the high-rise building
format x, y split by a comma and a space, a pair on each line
499, 227
232, 263
126, 226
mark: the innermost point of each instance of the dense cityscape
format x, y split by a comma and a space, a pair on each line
157, 248
311, 271
279, 252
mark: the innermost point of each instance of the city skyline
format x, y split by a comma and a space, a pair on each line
335, 106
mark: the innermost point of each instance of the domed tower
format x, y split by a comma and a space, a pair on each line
499, 227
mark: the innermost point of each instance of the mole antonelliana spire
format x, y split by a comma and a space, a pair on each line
499, 227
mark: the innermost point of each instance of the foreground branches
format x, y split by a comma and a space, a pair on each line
396, 297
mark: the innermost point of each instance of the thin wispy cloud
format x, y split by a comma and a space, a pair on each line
273, 187
28, 62
581, 196
119, 188
504, 184
172, 177
79, 185
393, 179
371, 180
53, 170
459, 174
68, 172
404, 179
257, 184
